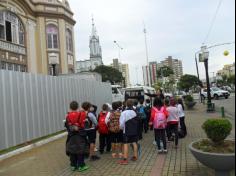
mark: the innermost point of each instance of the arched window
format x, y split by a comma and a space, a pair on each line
11, 28
69, 40
52, 36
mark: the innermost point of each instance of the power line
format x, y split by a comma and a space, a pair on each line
213, 21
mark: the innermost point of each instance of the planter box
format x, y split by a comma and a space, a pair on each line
221, 163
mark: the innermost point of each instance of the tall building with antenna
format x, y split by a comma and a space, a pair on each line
95, 59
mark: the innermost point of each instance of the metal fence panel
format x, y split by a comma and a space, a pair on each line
32, 106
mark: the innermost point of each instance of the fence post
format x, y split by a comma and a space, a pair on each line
223, 112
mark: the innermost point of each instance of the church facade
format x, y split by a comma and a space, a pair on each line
95, 53
36, 35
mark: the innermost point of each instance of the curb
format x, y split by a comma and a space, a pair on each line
32, 146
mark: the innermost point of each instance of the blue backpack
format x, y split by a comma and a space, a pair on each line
141, 112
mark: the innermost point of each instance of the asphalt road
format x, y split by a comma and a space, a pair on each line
228, 104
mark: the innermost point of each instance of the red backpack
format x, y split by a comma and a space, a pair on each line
102, 126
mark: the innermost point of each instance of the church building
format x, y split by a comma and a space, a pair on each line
95, 53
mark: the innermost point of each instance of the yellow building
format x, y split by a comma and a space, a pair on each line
228, 70
37, 36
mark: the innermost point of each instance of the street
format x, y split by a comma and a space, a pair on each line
228, 104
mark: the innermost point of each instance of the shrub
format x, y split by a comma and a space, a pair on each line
188, 98
217, 129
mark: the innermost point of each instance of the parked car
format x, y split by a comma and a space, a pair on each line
216, 93
227, 88
181, 94
168, 95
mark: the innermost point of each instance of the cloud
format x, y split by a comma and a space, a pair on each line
175, 28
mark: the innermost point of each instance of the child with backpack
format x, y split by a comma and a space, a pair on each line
115, 131
91, 123
76, 141
141, 111
158, 119
104, 135
129, 123
183, 127
172, 121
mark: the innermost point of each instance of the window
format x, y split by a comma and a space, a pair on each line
52, 36
69, 41
2, 32
11, 28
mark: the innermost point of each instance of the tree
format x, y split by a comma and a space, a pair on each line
109, 74
164, 71
188, 81
231, 79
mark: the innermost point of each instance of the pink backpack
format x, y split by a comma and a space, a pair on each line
160, 121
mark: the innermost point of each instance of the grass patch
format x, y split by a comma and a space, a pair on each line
29, 143
227, 147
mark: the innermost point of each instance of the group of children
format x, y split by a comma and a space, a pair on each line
119, 126
168, 121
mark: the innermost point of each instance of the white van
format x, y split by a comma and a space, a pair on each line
117, 93
138, 92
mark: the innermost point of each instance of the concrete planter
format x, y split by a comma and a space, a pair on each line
190, 105
221, 163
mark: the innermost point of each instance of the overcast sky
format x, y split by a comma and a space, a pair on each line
175, 28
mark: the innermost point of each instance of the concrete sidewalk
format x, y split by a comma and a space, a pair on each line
50, 159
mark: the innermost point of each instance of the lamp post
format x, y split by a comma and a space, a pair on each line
119, 49
205, 57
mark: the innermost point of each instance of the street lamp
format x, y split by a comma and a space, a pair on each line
119, 48
204, 56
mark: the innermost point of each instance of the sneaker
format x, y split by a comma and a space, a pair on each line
94, 158
83, 168
134, 158
160, 151
73, 168
165, 151
123, 162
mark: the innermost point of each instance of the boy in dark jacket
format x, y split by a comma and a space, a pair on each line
76, 141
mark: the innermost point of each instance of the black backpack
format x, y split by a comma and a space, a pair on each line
132, 127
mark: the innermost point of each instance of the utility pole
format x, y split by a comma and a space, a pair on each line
147, 57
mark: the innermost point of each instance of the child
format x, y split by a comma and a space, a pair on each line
104, 137
88, 113
76, 142
129, 124
172, 121
114, 128
148, 108
159, 121
180, 107
141, 111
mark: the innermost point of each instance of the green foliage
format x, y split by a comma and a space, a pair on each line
109, 74
231, 79
217, 129
164, 72
188, 81
226, 80
189, 98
